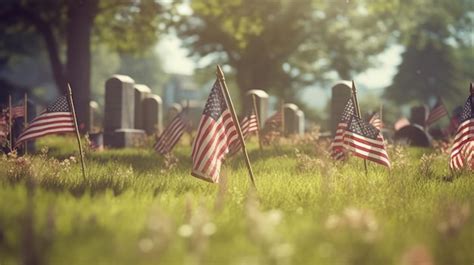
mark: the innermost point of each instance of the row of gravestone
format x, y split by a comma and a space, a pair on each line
411, 132
131, 112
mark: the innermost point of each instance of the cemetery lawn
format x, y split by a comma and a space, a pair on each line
136, 207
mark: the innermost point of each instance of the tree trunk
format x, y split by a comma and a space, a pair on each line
81, 16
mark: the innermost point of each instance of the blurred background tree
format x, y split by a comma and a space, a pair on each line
69, 28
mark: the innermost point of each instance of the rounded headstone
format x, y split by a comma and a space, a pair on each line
152, 106
419, 114
341, 93
301, 122
261, 98
141, 92
291, 122
413, 135
119, 110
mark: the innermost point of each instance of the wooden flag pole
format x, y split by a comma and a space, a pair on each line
10, 137
81, 153
220, 77
254, 101
25, 118
356, 105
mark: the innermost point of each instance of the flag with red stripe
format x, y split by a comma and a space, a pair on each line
171, 135
18, 111
362, 139
463, 146
437, 112
216, 133
376, 121
248, 125
274, 122
337, 145
57, 118
3, 126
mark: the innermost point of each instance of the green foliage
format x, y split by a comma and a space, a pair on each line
134, 208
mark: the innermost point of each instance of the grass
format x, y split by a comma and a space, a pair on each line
136, 207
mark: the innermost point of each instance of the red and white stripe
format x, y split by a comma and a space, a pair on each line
47, 123
463, 146
367, 148
248, 125
170, 136
337, 146
438, 112
211, 145
18, 111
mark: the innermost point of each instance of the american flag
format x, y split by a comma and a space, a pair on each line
248, 125
171, 135
462, 152
376, 121
3, 126
57, 118
337, 145
273, 123
436, 113
216, 133
365, 141
18, 111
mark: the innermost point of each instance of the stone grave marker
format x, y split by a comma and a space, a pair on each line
141, 92
419, 115
153, 108
291, 122
413, 135
341, 92
301, 122
261, 98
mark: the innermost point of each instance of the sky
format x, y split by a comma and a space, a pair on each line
374, 80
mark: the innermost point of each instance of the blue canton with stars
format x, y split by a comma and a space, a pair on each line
349, 110
60, 105
363, 128
215, 104
467, 111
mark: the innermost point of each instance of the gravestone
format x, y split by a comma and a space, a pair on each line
291, 119
141, 92
261, 98
419, 115
119, 114
174, 110
152, 106
400, 123
341, 92
413, 135
301, 122
94, 119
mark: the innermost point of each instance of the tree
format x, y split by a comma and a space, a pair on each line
283, 45
431, 65
70, 27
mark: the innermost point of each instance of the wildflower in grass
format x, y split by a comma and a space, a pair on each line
453, 217
170, 161
355, 221
425, 168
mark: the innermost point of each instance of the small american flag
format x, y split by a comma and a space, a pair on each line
376, 121
171, 135
365, 141
436, 113
18, 111
337, 145
273, 123
216, 133
3, 126
462, 152
248, 125
57, 118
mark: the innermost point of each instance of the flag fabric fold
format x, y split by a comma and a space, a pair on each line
437, 112
57, 118
171, 135
337, 145
462, 151
248, 125
362, 139
216, 133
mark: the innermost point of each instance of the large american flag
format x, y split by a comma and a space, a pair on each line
462, 152
216, 133
171, 135
437, 112
376, 121
362, 139
57, 118
248, 125
337, 145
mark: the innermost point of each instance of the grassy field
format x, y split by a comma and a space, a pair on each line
136, 207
